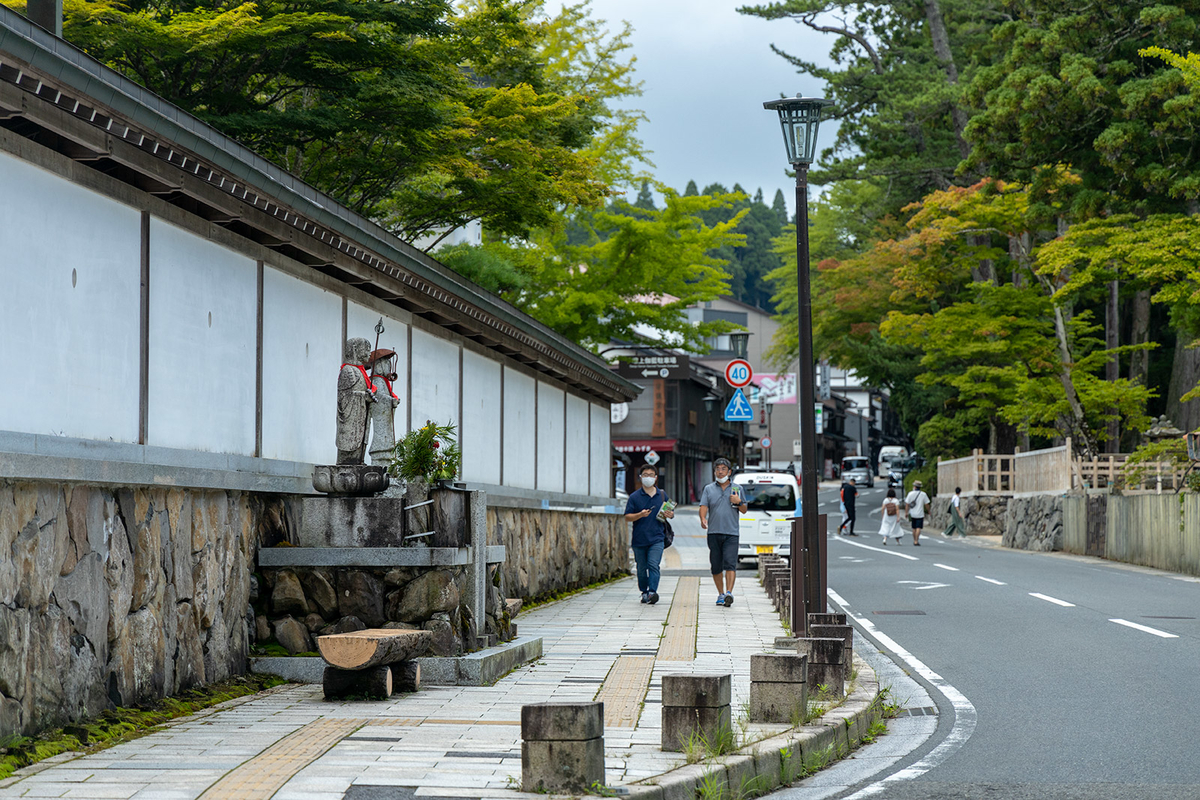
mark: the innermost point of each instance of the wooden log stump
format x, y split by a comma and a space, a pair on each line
374, 683
372, 647
406, 676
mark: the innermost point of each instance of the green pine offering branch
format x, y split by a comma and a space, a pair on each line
429, 453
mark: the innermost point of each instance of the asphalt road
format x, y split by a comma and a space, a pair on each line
1054, 676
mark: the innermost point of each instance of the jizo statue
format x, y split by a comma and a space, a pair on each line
383, 410
355, 392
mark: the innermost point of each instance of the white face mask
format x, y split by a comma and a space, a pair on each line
647, 481
723, 479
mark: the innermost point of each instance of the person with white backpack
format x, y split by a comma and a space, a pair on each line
890, 529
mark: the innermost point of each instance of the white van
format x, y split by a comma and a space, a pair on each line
773, 501
886, 454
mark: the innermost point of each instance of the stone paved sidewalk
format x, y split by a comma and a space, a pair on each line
461, 742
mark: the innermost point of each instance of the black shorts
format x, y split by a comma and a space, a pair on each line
722, 552
918, 522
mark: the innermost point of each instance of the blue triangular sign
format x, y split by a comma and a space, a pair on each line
739, 409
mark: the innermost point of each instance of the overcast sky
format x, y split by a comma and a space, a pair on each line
706, 71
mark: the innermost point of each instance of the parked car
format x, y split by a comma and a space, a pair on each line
859, 468
773, 501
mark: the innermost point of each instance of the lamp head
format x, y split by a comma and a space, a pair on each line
799, 117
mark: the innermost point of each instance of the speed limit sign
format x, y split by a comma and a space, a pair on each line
738, 373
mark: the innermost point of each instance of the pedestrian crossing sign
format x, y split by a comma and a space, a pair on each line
739, 409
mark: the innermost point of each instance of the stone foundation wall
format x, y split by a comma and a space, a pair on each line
299, 604
1034, 523
116, 596
985, 515
550, 551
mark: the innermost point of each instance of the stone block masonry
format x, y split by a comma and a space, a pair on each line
551, 551
118, 596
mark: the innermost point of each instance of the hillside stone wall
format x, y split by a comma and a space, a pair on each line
1034, 523
985, 515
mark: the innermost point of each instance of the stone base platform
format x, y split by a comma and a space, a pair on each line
473, 669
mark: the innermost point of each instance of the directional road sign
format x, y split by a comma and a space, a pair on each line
738, 373
739, 409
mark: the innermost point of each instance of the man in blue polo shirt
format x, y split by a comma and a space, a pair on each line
649, 535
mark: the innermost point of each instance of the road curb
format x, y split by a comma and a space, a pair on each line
777, 761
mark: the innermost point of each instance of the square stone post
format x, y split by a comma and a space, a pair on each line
562, 748
827, 665
778, 687
695, 705
477, 531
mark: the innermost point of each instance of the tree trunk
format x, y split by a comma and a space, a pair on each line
941, 48
1112, 369
1185, 374
1077, 424
375, 683
1139, 360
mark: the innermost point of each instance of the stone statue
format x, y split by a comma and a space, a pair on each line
383, 410
354, 393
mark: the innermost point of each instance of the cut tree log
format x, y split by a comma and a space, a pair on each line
374, 646
406, 676
374, 683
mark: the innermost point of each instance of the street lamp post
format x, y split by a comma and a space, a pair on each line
799, 117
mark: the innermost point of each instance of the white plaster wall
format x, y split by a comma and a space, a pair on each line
301, 327
435, 379
481, 418
203, 321
70, 276
361, 321
601, 449
550, 438
578, 464
520, 431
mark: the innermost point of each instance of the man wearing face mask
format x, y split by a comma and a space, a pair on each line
649, 535
721, 503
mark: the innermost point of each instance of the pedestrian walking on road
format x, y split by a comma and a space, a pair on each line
649, 533
721, 502
849, 493
957, 523
918, 504
890, 509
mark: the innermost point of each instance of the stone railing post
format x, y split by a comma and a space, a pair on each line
841, 631
562, 748
695, 705
778, 687
827, 664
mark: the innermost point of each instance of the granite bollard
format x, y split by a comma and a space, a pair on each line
562, 748
834, 631
695, 705
827, 665
778, 687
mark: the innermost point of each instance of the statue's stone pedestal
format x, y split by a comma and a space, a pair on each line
352, 522
356, 480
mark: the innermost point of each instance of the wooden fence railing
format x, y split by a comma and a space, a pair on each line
1049, 471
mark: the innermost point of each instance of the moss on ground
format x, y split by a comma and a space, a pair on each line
123, 724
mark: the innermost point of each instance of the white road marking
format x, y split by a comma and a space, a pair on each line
927, 584
943, 566
964, 712
1050, 599
892, 552
991, 580
1144, 629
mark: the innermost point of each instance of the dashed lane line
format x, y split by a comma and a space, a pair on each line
1144, 628
991, 580
943, 566
1050, 599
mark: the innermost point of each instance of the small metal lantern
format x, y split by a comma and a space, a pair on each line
799, 118
739, 343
